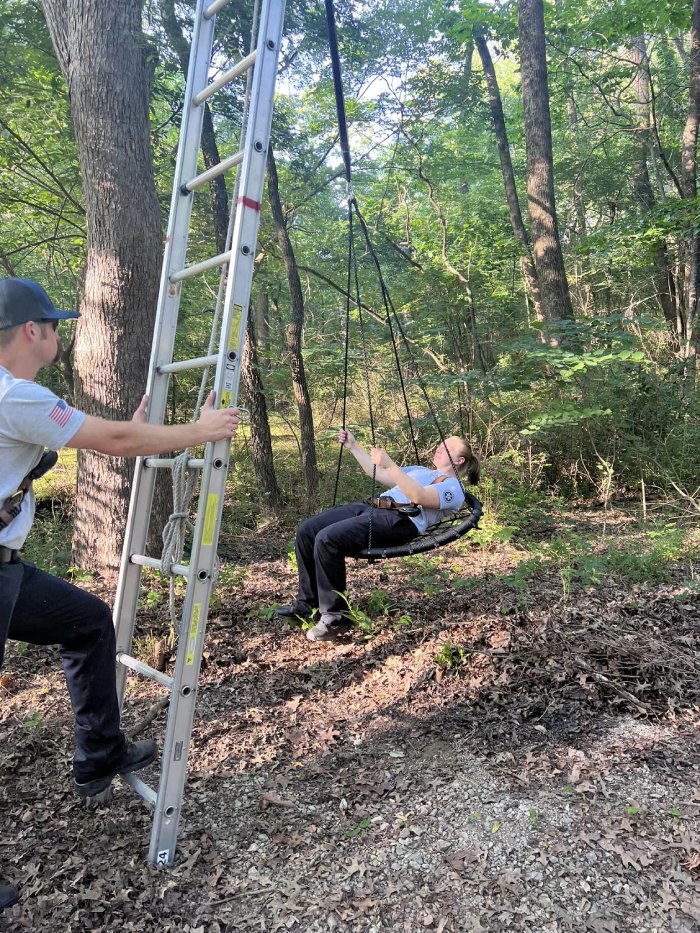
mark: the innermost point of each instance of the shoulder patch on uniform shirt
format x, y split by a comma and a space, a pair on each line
448, 495
61, 413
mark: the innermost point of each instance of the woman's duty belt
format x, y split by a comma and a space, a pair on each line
386, 502
7, 555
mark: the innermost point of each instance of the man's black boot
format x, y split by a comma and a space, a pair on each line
297, 612
9, 895
98, 791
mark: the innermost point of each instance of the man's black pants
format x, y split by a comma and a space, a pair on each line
43, 610
325, 540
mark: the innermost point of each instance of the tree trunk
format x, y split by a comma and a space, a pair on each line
549, 261
691, 336
218, 197
664, 284
294, 334
527, 264
105, 60
270, 495
262, 320
582, 267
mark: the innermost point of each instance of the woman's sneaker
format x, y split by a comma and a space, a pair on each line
97, 792
329, 628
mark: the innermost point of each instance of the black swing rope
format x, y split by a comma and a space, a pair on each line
445, 531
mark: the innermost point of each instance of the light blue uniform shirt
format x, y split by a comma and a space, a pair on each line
449, 490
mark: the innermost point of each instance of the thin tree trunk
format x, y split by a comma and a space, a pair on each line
549, 261
689, 167
104, 57
218, 197
527, 264
270, 498
294, 333
262, 320
582, 267
664, 285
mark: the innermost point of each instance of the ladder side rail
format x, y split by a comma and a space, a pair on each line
212, 489
137, 525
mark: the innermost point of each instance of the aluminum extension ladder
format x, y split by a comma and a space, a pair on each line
238, 260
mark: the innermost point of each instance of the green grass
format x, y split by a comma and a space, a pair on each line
580, 561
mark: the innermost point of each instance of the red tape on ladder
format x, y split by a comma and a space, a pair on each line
249, 202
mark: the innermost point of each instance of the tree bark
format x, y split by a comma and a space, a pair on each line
527, 264
262, 320
664, 284
218, 196
104, 58
294, 333
689, 188
270, 495
549, 261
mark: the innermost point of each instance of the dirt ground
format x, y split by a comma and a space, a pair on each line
483, 759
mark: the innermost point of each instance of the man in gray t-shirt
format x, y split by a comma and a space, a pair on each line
42, 609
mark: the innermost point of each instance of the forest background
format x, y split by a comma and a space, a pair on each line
528, 176
508, 738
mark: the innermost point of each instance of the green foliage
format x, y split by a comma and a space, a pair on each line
354, 831
358, 617
33, 721
380, 603
610, 407
581, 562
450, 657
427, 574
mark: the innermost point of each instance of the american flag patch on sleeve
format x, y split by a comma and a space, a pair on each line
61, 413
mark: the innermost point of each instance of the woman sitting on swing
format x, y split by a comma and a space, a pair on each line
418, 497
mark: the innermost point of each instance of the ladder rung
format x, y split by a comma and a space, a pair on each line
214, 8
199, 362
167, 462
213, 172
243, 65
189, 271
165, 680
141, 788
181, 569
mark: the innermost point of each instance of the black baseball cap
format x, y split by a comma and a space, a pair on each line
22, 300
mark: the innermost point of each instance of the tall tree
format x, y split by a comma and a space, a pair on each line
516, 217
664, 283
294, 333
689, 189
549, 261
104, 57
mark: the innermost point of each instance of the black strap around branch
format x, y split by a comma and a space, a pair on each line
338, 86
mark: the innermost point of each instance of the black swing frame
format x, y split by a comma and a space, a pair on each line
444, 532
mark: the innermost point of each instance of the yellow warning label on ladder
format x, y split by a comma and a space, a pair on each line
210, 518
194, 629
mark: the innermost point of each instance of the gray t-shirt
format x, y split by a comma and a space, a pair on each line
31, 418
449, 490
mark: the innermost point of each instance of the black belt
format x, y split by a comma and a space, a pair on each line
386, 502
7, 555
